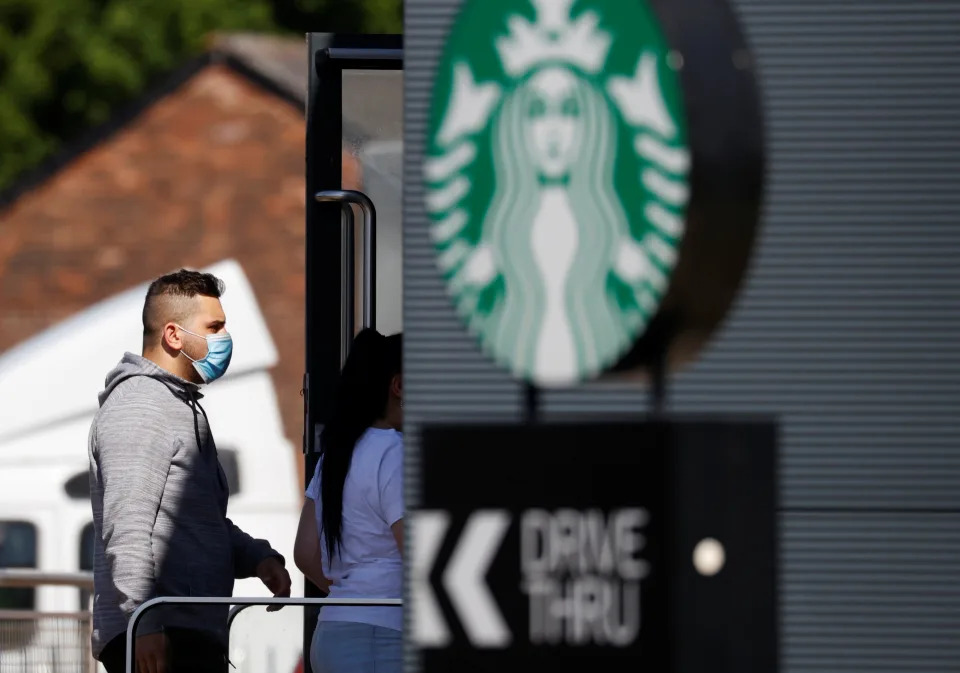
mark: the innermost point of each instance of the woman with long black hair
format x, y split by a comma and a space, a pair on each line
350, 538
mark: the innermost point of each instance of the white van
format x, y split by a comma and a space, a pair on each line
48, 388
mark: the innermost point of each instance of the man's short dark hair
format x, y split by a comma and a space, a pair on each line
168, 298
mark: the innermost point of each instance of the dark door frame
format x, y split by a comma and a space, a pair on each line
329, 56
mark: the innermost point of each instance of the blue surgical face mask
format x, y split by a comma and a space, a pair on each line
219, 351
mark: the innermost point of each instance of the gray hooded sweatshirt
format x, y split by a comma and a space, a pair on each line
159, 501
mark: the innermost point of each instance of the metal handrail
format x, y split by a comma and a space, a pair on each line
362, 54
234, 611
28, 577
346, 197
32, 615
230, 600
348, 280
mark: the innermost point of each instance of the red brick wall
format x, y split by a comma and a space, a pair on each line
211, 171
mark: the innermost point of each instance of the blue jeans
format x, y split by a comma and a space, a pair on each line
352, 647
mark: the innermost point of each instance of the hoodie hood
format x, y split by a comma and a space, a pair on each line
132, 365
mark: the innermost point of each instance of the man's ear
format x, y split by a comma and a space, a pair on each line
396, 385
171, 337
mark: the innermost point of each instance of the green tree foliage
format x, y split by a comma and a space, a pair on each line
383, 16
340, 16
66, 65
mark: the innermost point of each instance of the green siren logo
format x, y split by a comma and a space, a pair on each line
557, 179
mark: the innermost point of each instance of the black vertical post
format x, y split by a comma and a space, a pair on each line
658, 383
531, 403
323, 233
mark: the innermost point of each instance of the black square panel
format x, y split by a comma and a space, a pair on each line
638, 544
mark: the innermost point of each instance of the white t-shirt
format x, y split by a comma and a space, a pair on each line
368, 563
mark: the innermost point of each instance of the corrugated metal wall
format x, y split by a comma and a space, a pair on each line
848, 327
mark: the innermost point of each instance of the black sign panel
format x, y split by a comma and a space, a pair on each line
631, 544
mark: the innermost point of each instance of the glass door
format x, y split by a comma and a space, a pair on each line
373, 156
353, 162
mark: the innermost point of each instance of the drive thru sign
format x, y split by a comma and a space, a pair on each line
634, 543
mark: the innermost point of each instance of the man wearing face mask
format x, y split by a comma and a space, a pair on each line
159, 495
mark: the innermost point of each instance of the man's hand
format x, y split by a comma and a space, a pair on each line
276, 578
151, 651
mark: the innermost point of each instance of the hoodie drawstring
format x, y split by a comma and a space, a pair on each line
196, 418
221, 477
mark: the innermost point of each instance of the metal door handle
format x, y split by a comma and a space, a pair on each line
345, 198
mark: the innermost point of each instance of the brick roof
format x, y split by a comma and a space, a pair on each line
211, 168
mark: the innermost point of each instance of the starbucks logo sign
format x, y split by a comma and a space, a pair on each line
556, 177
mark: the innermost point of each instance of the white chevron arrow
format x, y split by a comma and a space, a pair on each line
464, 579
428, 529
